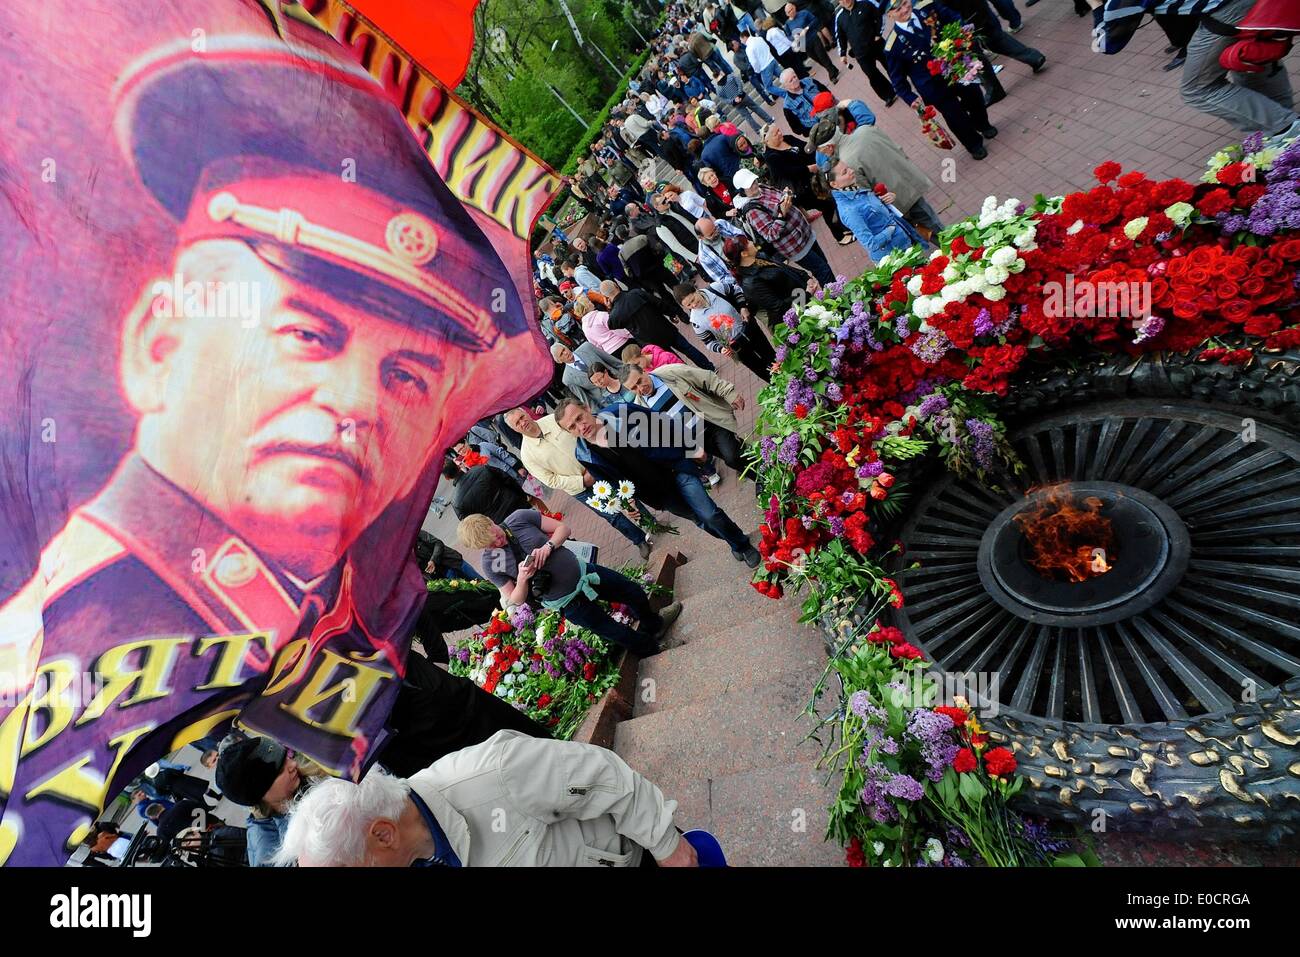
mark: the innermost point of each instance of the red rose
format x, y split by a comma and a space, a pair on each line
589, 671
965, 761
1265, 269
1236, 310
999, 762
1107, 171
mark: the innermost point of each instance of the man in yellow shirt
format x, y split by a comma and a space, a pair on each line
547, 452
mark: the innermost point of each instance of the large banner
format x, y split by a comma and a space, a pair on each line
244, 311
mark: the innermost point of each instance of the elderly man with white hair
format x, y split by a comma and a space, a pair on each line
512, 801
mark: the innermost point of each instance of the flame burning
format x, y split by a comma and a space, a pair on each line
1068, 542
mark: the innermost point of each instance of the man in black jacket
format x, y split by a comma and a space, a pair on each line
858, 26
484, 490
637, 312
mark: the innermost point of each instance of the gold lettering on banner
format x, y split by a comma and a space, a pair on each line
83, 786
148, 679
354, 690
225, 673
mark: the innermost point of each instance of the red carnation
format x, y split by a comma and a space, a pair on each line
906, 651
801, 411
589, 671
1232, 174
854, 856
999, 762
1214, 202
1107, 171
888, 635
543, 701
959, 245
957, 715
965, 761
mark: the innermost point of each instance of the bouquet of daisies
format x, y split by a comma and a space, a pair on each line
611, 500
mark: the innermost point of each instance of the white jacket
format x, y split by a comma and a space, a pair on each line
518, 801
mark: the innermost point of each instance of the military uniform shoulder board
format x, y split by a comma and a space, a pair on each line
889, 40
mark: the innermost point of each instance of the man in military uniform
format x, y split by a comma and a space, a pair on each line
909, 46
212, 574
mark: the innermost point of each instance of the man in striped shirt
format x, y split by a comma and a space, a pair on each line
661, 399
1254, 101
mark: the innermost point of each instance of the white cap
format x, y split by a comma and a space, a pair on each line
743, 179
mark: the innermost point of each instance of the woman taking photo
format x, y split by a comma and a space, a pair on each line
788, 168
770, 287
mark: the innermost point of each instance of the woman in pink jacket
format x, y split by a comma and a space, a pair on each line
595, 326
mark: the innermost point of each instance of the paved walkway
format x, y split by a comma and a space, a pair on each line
717, 722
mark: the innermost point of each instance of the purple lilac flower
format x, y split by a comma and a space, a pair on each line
807, 521
833, 391
534, 666
810, 374
789, 453
1254, 142
768, 448
931, 347
902, 328
888, 745
837, 526
1040, 836
551, 670
781, 353
835, 370
790, 319
932, 403
860, 703
1234, 223
983, 323
956, 837
842, 332
904, 786
980, 435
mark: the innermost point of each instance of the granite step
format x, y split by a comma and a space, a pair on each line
760, 726
714, 664
765, 817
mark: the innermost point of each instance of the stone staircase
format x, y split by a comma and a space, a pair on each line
717, 722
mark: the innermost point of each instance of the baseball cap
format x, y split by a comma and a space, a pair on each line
821, 132
247, 769
822, 102
743, 179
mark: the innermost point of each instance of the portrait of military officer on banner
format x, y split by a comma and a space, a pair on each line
330, 316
